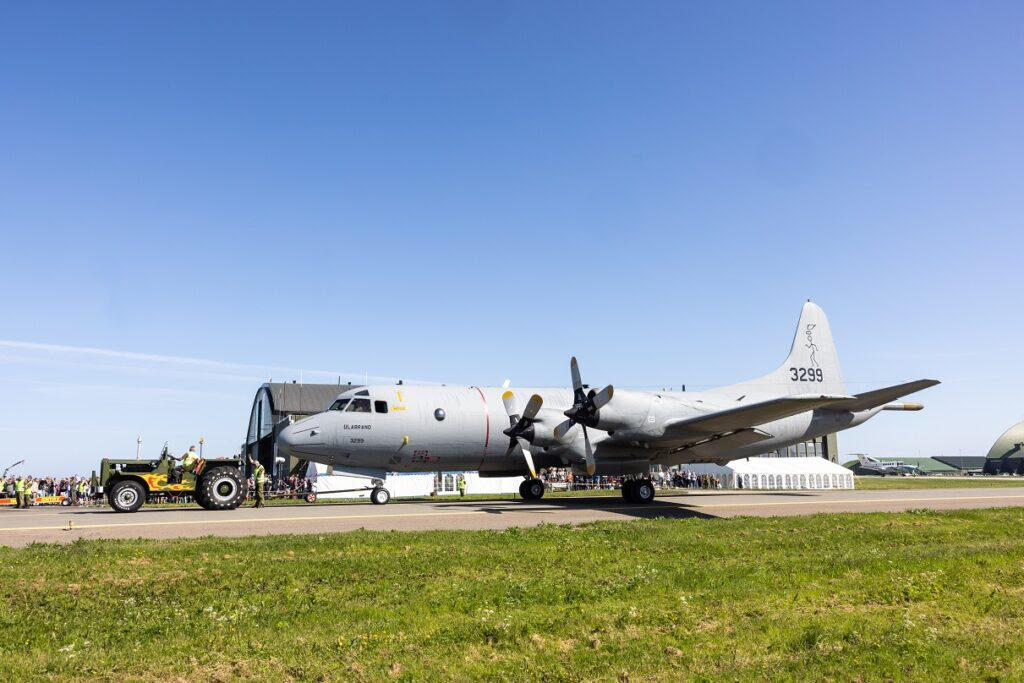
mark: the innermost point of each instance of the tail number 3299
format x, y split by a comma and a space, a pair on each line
807, 375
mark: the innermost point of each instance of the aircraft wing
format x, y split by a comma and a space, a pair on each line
879, 397
709, 449
749, 415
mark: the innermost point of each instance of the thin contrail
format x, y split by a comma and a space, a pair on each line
189, 361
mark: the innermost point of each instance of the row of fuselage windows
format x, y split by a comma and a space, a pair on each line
360, 403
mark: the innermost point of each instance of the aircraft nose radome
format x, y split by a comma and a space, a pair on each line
299, 436
286, 439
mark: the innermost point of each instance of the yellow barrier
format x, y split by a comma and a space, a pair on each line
44, 500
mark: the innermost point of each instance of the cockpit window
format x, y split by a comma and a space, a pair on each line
380, 406
358, 405
364, 392
339, 404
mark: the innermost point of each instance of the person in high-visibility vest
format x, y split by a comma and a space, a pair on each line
259, 477
462, 486
19, 491
188, 461
31, 488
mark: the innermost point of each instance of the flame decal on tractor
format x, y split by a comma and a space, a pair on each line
158, 482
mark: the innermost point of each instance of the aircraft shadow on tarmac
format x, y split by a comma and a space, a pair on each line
671, 506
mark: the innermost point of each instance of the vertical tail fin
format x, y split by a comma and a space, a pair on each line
812, 366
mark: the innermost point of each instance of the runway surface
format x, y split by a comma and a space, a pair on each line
63, 525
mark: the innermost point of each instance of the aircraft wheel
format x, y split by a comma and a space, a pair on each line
627, 490
532, 489
127, 495
380, 496
643, 491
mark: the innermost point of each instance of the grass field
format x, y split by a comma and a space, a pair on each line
919, 595
879, 483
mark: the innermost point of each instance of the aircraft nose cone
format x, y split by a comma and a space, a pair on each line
286, 439
300, 436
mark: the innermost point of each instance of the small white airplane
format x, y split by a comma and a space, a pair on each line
869, 465
369, 431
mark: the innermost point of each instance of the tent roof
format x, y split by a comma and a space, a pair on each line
806, 465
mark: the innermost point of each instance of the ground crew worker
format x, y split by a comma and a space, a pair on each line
462, 486
82, 494
259, 477
19, 492
188, 461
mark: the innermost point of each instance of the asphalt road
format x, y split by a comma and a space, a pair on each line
62, 525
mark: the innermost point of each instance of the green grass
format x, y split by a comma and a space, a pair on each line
911, 596
885, 483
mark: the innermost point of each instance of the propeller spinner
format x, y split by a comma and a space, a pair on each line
583, 412
520, 429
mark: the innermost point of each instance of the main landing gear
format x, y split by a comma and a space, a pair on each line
532, 489
638, 491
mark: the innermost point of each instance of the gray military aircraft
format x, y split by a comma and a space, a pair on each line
369, 431
868, 465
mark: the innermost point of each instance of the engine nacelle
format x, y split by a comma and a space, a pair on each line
542, 431
627, 410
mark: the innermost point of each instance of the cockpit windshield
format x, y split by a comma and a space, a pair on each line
339, 404
358, 405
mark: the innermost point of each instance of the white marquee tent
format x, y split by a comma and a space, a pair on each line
779, 473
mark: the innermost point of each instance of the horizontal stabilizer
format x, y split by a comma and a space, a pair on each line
879, 397
752, 414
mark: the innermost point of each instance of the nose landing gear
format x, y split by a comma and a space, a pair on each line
380, 496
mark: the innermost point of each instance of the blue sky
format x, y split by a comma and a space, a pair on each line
195, 197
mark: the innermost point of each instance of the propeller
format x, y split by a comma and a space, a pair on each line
583, 411
520, 429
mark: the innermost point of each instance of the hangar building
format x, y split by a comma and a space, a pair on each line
276, 405
1007, 454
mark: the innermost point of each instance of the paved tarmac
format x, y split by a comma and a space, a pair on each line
63, 525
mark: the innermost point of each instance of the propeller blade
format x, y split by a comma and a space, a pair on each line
577, 381
511, 405
602, 397
562, 429
591, 465
532, 407
528, 457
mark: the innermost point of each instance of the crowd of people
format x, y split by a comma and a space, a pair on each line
27, 490
563, 478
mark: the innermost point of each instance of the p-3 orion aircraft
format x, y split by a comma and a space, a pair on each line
371, 430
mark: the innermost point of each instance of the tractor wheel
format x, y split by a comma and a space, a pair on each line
220, 489
310, 497
127, 495
200, 496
